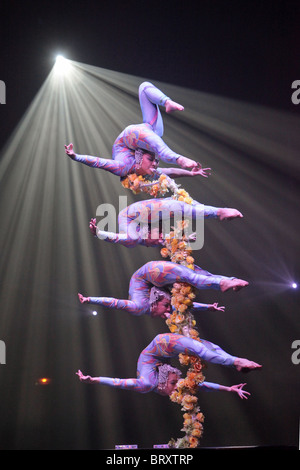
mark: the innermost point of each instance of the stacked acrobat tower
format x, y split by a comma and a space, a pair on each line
136, 143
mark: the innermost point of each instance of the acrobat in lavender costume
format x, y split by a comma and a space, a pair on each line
151, 371
134, 221
151, 279
145, 136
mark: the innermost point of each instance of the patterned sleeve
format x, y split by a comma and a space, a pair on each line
116, 167
118, 304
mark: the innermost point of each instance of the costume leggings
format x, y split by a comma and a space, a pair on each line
150, 97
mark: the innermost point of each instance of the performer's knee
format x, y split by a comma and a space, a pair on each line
143, 86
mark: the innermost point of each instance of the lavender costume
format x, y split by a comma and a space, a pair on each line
159, 274
161, 349
146, 136
134, 220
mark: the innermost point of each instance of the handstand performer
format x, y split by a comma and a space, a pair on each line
148, 288
139, 146
154, 374
138, 222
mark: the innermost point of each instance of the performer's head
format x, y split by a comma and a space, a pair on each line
160, 302
146, 162
168, 377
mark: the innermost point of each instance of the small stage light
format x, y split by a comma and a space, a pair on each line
43, 381
294, 285
95, 312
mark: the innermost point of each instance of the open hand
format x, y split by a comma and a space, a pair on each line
70, 151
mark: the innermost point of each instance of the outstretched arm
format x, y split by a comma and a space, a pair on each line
113, 166
213, 307
120, 238
137, 385
110, 302
180, 172
209, 386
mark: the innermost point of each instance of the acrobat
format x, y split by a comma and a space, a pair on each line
139, 222
154, 373
139, 147
149, 293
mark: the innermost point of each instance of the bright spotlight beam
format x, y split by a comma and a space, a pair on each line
62, 65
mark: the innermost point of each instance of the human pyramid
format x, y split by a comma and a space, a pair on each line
165, 288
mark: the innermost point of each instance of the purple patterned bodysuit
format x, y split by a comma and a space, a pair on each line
146, 136
159, 274
161, 349
134, 220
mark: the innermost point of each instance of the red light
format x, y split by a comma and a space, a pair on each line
43, 381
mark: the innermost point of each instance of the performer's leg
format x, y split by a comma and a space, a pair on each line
221, 213
173, 344
161, 273
150, 98
204, 349
194, 211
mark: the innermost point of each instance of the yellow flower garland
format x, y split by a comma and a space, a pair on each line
138, 184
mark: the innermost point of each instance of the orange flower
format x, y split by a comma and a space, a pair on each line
188, 402
179, 318
194, 333
164, 252
132, 177
184, 359
193, 441
197, 425
200, 417
196, 433
173, 328
179, 298
181, 245
182, 308
198, 366
188, 200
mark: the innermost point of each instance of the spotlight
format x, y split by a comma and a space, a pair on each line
94, 312
294, 285
62, 65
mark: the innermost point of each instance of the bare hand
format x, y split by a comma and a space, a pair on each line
86, 378
216, 307
69, 151
205, 172
187, 163
93, 227
83, 300
239, 390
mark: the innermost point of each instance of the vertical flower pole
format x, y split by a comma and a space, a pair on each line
182, 321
